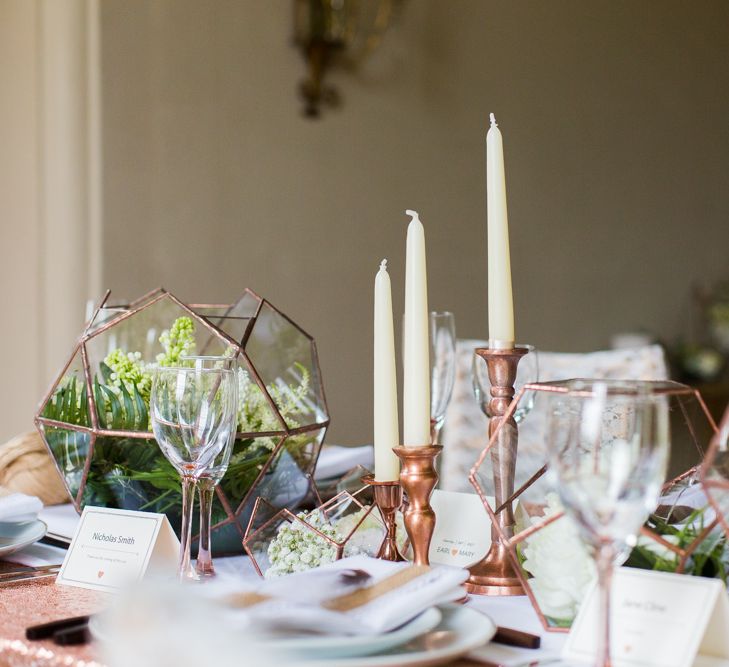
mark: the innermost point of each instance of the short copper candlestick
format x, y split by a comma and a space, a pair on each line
388, 498
418, 479
495, 575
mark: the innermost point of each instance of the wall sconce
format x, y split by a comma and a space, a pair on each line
336, 33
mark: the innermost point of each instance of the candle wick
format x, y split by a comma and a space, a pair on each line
413, 214
383, 265
493, 120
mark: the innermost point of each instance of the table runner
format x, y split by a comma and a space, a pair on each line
29, 603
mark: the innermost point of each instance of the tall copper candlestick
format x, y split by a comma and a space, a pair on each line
418, 478
495, 575
388, 498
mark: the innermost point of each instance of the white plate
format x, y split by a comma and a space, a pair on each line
311, 647
15, 536
460, 631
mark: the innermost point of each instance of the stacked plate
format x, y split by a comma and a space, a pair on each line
19, 523
435, 637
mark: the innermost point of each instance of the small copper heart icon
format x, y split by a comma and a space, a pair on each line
454, 552
100, 574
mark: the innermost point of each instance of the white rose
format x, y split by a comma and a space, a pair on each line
561, 567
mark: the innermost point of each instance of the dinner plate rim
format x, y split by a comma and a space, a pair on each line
424, 658
25, 542
423, 622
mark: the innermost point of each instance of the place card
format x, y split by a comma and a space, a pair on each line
113, 548
658, 619
462, 532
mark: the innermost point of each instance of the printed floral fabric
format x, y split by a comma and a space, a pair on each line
464, 434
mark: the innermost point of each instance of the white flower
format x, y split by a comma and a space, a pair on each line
658, 549
561, 567
297, 548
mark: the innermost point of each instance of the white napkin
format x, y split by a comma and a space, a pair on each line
322, 601
335, 460
19, 508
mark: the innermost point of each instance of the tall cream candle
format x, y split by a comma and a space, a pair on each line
416, 350
386, 430
501, 306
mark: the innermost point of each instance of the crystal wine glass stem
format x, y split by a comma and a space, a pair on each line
204, 565
605, 561
188, 498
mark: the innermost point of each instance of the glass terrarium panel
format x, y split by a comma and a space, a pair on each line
286, 481
226, 538
690, 433
684, 419
528, 464
233, 319
285, 359
555, 565
255, 413
68, 402
358, 526
133, 474
113, 308
248, 458
69, 450
122, 357
258, 544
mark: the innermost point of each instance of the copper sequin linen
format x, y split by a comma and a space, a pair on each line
30, 603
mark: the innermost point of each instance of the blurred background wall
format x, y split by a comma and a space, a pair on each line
614, 115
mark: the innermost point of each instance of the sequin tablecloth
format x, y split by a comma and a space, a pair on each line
29, 603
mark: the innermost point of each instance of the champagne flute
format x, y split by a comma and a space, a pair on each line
442, 368
608, 444
527, 372
208, 480
194, 414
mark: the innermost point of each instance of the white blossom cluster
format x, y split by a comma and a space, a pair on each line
297, 548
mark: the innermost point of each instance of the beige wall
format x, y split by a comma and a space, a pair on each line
616, 126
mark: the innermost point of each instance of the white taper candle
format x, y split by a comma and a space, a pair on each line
416, 350
501, 306
386, 429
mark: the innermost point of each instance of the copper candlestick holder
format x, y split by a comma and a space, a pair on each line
388, 498
418, 478
495, 574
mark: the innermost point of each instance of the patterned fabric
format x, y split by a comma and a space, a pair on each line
464, 434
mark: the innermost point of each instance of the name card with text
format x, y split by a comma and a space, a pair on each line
113, 548
658, 619
462, 532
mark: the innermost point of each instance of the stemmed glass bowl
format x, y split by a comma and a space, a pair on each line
442, 368
608, 446
194, 418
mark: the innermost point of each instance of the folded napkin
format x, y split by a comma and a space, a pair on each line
19, 508
354, 596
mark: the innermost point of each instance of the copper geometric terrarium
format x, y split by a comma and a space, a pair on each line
544, 545
279, 541
95, 417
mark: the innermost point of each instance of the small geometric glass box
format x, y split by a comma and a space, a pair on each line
281, 542
95, 417
544, 546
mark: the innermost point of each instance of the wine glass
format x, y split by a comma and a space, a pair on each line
208, 480
608, 445
442, 369
527, 372
194, 416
